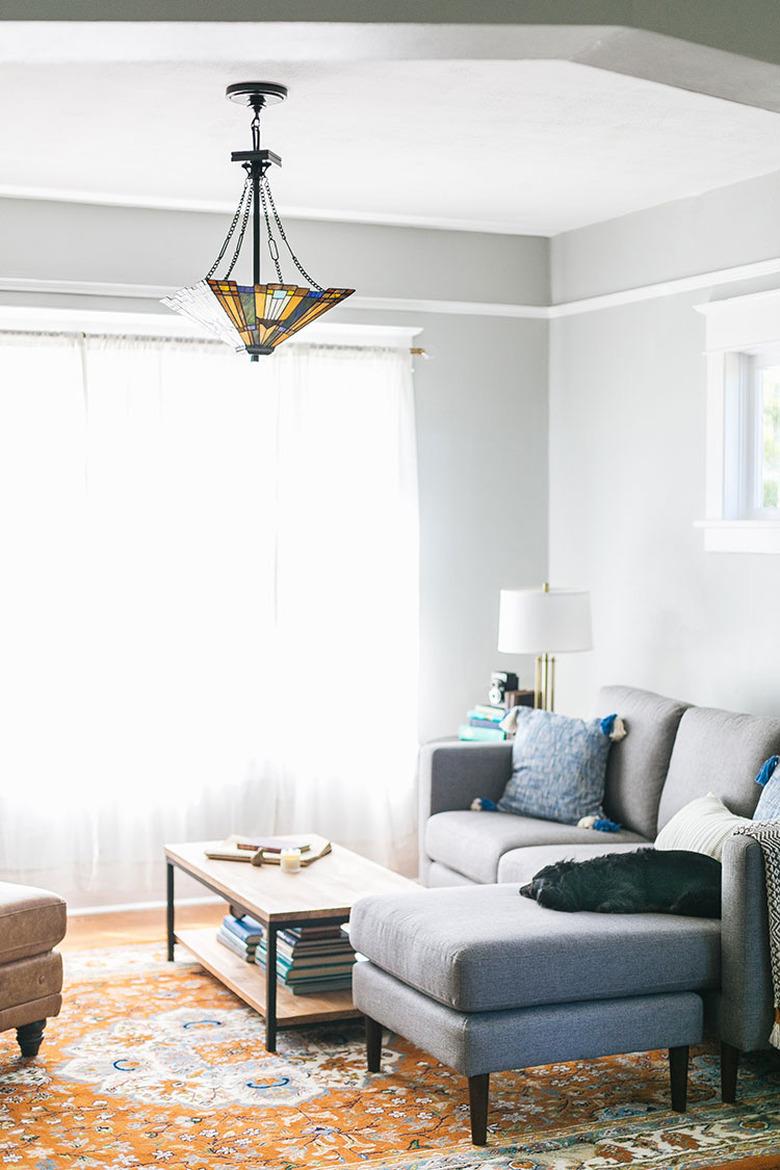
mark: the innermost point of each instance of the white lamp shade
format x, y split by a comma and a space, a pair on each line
532, 621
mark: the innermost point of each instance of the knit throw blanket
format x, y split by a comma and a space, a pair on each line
768, 837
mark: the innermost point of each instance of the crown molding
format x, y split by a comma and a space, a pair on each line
669, 288
647, 292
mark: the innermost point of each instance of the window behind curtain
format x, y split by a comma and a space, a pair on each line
208, 604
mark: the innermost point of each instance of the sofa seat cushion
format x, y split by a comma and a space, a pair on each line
485, 948
720, 752
472, 843
520, 865
32, 921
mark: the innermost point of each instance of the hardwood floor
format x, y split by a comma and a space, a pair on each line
133, 926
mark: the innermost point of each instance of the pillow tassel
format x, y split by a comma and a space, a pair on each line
767, 770
614, 727
600, 824
509, 722
482, 804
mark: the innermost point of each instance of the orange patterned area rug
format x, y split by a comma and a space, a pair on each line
155, 1064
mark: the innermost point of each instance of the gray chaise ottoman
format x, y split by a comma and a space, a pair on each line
485, 980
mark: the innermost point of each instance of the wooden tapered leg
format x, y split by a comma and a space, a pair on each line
729, 1067
30, 1037
373, 1045
479, 1089
678, 1075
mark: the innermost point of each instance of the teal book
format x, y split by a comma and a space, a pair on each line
481, 734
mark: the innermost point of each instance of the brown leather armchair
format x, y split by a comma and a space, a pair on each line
32, 922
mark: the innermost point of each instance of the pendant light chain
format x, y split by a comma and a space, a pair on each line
273, 247
246, 191
280, 228
242, 231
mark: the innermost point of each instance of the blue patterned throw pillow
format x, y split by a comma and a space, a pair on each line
768, 807
558, 766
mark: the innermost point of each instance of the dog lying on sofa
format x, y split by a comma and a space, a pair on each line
646, 881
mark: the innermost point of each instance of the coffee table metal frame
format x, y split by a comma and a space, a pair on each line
272, 927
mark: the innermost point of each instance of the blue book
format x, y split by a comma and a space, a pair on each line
243, 950
245, 928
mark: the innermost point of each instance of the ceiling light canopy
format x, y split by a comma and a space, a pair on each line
258, 317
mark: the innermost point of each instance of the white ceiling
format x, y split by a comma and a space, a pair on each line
520, 146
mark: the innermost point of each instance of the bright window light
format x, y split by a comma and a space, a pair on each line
208, 604
769, 441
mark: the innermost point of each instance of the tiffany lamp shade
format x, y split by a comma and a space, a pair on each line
255, 318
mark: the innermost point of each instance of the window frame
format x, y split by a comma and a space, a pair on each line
742, 338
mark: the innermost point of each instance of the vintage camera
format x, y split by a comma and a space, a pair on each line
501, 681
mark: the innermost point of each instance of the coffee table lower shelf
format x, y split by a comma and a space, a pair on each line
247, 981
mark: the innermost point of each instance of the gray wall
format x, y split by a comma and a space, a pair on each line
627, 432
49, 240
481, 399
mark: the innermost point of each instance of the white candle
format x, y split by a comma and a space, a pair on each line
290, 860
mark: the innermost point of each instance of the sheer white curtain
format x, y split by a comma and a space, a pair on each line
208, 604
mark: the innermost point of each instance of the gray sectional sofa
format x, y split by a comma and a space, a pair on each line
486, 980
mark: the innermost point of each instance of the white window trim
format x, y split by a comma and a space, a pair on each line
742, 333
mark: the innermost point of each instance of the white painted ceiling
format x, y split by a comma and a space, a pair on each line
520, 146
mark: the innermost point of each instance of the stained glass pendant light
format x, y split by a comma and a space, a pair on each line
258, 317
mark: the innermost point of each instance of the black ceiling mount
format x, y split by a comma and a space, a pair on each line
256, 94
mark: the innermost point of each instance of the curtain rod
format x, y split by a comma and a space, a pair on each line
414, 350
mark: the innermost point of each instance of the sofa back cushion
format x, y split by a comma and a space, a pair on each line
637, 765
720, 752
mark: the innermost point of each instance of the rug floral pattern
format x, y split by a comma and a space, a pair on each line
156, 1065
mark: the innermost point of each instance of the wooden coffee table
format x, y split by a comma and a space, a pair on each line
321, 894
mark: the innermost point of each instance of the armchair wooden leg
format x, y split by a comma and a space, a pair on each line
729, 1067
678, 1075
373, 1045
30, 1037
479, 1089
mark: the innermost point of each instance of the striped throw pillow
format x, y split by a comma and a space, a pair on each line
702, 826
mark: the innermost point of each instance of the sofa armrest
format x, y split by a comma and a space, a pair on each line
746, 1009
451, 775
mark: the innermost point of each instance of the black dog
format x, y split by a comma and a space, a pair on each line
648, 881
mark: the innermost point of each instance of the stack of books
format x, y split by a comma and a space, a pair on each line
484, 720
241, 935
311, 959
483, 724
